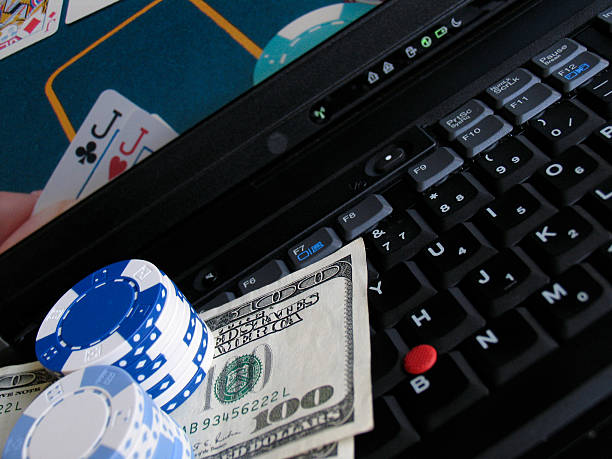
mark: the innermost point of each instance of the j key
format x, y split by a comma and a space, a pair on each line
555, 56
564, 125
570, 175
527, 105
268, 273
455, 200
510, 87
599, 202
482, 135
395, 292
572, 301
447, 259
598, 93
443, 392
433, 167
387, 369
504, 281
318, 245
602, 260
442, 322
510, 217
393, 433
364, 215
464, 118
578, 70
602, 141
509, 163
564, 239
398, 237
507, 346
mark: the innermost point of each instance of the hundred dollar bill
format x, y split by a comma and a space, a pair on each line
291, 368
19, 386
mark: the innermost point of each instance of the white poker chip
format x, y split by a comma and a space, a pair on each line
105, 317
93, 413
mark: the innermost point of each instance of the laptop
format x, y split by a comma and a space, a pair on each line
467, 142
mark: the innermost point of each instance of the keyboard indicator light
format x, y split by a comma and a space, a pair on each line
426, 41
439, 33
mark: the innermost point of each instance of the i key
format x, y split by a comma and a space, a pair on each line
573, 301
564, 124
565, 239
510, 217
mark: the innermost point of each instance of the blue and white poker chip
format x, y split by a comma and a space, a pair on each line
303, 34
99, 409
103, 318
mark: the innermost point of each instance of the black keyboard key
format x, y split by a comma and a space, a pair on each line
268, 273
464, 118
572, 301
395, 292
507, 346
367, 213
555, 56
398, 237
447, 259
570, 175
578, 70
315, 247
387, 365
602, 260
528, 104
442, 322
598, 93
433, 398
602, 141
510, 217
605, 19
564, 239
564, 124
393, 432
509, 87
216, 301
510, 162
455, 200
599, 202
482, 135
432, 167
503, 282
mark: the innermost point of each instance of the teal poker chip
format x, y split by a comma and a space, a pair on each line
303, 34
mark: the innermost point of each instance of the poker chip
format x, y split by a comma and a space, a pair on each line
303, 34
132, 316
97, 412
102, 318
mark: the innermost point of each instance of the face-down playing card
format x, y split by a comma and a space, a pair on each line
23, 23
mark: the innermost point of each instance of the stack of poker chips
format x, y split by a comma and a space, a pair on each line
130, 315
98, 412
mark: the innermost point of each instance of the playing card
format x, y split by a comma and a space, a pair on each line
78, 9
88, 148
23, 23
140, 136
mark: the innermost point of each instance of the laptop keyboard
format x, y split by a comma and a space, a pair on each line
489, 263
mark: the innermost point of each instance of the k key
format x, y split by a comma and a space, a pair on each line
565, 239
